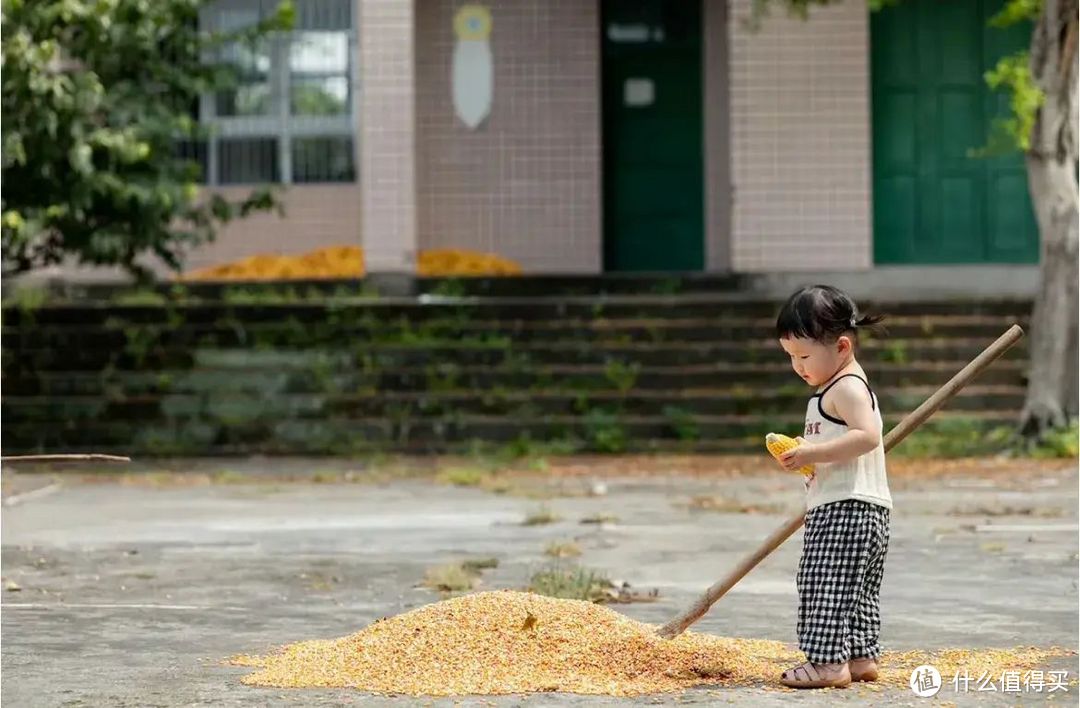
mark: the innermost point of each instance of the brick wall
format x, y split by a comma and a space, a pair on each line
526, 184
800, 122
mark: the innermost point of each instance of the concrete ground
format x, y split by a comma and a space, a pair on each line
129, 592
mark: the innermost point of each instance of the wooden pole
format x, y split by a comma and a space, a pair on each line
65, 458
912, 421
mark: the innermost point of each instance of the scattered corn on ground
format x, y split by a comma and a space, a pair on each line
506, 641
348, 262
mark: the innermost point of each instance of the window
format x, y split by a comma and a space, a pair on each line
290, 117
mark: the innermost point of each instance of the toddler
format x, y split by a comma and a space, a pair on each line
847, 497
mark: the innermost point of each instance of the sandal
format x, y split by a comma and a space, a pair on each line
807, 676
863, 669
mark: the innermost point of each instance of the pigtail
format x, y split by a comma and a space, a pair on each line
871, 323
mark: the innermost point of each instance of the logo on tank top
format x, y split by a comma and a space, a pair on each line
813, 428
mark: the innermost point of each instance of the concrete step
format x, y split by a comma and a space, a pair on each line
472, 309
445, 376
76, 357
610, 433
739, 400
438, 373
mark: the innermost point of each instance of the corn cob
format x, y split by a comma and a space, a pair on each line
778, 444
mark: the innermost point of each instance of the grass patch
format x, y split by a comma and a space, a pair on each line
955, 437
562, 549
451, 577
463, 476
599, 518
541, 516
475, 565
569, 581
460, 576
1060, 443
967, 437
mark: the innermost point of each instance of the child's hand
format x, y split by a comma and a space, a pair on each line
798, 457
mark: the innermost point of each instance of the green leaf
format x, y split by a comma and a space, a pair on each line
1015, 12
1012, 74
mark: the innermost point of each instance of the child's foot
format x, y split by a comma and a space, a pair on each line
810, 675
863, 669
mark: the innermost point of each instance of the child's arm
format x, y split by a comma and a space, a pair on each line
852, 403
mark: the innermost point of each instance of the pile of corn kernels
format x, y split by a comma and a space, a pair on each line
348, 262
506, 641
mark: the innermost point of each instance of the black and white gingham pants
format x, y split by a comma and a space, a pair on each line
839, 581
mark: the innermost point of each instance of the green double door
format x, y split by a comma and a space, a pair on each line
933, 202
652, 128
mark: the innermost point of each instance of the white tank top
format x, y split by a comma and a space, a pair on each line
860, 478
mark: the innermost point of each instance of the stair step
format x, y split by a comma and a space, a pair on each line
696, 370
458, 309
73, 357
420, 405
356, 435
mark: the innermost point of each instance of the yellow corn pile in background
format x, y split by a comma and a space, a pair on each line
348, 262
778, 444
507, 641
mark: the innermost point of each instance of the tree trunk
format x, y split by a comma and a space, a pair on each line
1052, 169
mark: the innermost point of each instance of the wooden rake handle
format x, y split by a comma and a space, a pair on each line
65, 458
912, 421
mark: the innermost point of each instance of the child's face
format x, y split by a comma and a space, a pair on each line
814, 361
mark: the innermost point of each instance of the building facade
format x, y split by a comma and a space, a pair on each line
597, 136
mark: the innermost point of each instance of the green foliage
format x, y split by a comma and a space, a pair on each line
895, 352
1012, 74
1016, 11
955, 437
604, 431
622, 375
682, 422
97, 96
28, 299
1057, 443
451, 287
968, 437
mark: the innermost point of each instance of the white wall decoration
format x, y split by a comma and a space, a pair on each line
472, 76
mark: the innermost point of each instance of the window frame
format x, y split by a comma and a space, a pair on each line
280, 124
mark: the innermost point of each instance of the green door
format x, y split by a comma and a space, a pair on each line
653, 181
933, 203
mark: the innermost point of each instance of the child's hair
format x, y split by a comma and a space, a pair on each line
822, 313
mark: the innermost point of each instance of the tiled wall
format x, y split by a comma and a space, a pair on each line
526, 184
315, 216
800, 122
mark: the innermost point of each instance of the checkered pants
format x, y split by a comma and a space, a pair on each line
839, 581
